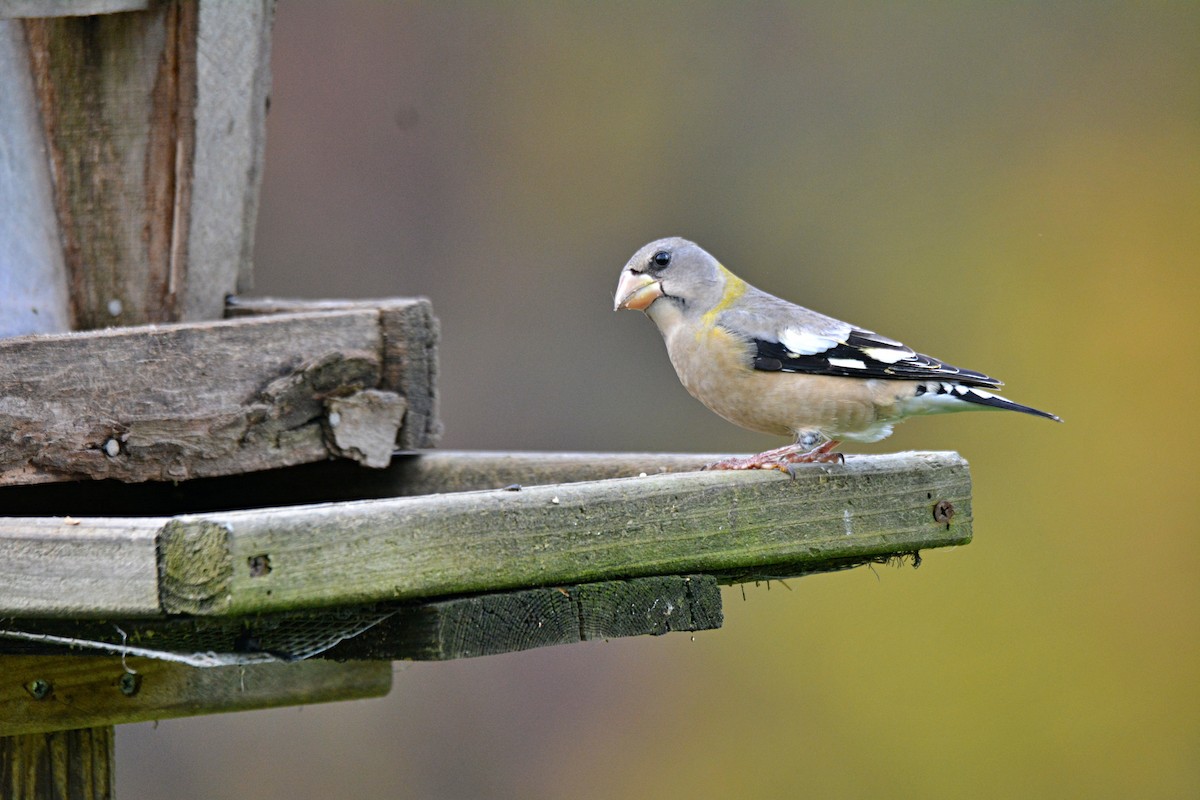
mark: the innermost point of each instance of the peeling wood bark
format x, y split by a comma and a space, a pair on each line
410, 362
116, 93
460, 627
153, 126
177, 402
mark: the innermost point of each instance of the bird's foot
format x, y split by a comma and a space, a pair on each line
784, 459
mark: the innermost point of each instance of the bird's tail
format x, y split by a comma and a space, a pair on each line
935, 396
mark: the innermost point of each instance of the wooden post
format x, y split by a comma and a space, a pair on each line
134, 134
44, 694
735, 525
75, 764
141, 136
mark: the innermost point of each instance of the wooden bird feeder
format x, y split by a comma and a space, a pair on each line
214, 503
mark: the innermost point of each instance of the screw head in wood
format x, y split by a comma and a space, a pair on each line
943, 511
39, 688
129, 683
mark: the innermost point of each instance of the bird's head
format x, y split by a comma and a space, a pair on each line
673, 271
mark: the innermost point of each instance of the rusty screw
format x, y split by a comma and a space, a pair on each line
943, 511
259, 565
129, 683
40, 689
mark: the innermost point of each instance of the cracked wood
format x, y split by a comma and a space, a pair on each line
175, 402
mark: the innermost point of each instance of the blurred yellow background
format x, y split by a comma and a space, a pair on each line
1011, 187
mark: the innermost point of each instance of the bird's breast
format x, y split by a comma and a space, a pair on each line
716, 367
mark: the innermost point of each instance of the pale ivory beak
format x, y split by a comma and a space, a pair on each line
636, 291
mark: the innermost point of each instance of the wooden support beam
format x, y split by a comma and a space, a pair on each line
67, 764
150, 126
507, 622
55, 566
461, 627
175, 402
33, 272
738, 525
15, 9
52, 693
410, 362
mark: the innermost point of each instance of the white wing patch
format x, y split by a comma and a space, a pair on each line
886, 355
807, 343
847, 363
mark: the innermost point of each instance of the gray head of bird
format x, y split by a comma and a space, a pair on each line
674, 272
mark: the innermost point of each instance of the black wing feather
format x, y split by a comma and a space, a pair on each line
772, 356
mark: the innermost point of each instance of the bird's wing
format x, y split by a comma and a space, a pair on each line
789, 338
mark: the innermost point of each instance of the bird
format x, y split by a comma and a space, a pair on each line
771, 366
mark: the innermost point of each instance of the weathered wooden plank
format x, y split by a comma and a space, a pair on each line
191, 400
153, 122
410, 334
460, 627
736, 524
58, 566
427, 472
462, 471
66, 764
117, 95
12, 9
233, 77
49, 693
33, 277
468, 627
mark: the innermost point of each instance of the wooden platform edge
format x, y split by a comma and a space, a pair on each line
460, 627
41, 693
739, 525
735, 525
410, 337
182, 401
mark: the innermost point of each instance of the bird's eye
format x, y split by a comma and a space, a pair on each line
661, 259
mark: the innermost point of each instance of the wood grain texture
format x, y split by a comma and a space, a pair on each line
153, 122
412, 473
460, 627
410, 362
13, 9
506, 622
176, 402
79, 692
442, 471
116, 96
55, 567
740, 525
66, 764
33, 277
233, 77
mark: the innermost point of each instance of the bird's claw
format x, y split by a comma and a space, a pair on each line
783, 460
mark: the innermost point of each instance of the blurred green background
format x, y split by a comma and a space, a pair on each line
1013, 187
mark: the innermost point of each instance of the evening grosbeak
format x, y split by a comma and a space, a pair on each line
771, 366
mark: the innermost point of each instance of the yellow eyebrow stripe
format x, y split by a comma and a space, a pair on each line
735, 287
